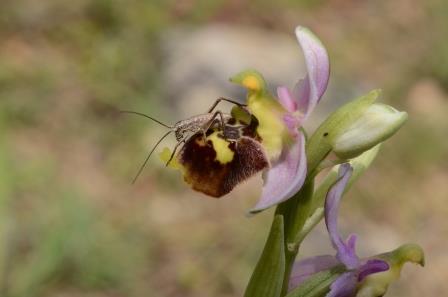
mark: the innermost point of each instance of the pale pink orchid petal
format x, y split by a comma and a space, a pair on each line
292, 123
286, 99
291, 119
284, 179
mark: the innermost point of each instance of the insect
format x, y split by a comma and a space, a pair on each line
227, 158
185, 129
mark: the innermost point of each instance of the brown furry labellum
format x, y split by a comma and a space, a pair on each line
206, 174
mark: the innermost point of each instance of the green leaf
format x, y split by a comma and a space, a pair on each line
317, 285
267, 278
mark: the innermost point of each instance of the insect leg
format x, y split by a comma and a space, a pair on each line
210, 123
174, 151
212, 120
224, 99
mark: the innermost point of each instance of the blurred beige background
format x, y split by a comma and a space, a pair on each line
71, 224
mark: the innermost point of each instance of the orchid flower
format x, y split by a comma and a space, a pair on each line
288, 169
346, 284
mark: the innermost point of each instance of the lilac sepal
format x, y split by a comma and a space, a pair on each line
285, 178
310, 90
372, 266
345, 250
303, 269
344, 285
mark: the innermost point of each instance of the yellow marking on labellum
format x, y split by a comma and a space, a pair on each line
165, 155
224, 154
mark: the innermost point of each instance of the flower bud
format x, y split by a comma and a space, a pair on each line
354, 128
376, 124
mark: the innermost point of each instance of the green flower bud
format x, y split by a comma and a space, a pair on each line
377, 123
353, 129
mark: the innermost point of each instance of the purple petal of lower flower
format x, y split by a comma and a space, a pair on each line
285, 178
345, 252
348, 255
286, 99
309, 266
351, 242
311, 89
344, 285
372, 266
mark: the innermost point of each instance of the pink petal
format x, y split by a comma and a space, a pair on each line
286, 99
305, 268
293, 124
285, 178
309, 90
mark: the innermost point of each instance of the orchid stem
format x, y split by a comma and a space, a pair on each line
295, 212
309, 225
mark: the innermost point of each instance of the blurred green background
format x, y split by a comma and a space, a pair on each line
71, 223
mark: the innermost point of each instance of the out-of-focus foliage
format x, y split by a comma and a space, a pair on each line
72, 225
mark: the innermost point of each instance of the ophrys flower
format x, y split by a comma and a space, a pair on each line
280, 120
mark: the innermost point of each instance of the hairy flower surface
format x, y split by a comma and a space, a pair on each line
216, 163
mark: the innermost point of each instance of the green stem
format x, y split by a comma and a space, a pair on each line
310, 223
295, 212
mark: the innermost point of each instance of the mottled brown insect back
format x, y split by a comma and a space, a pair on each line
206, 174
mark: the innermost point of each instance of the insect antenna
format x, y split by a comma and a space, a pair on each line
146, 116
149, 155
